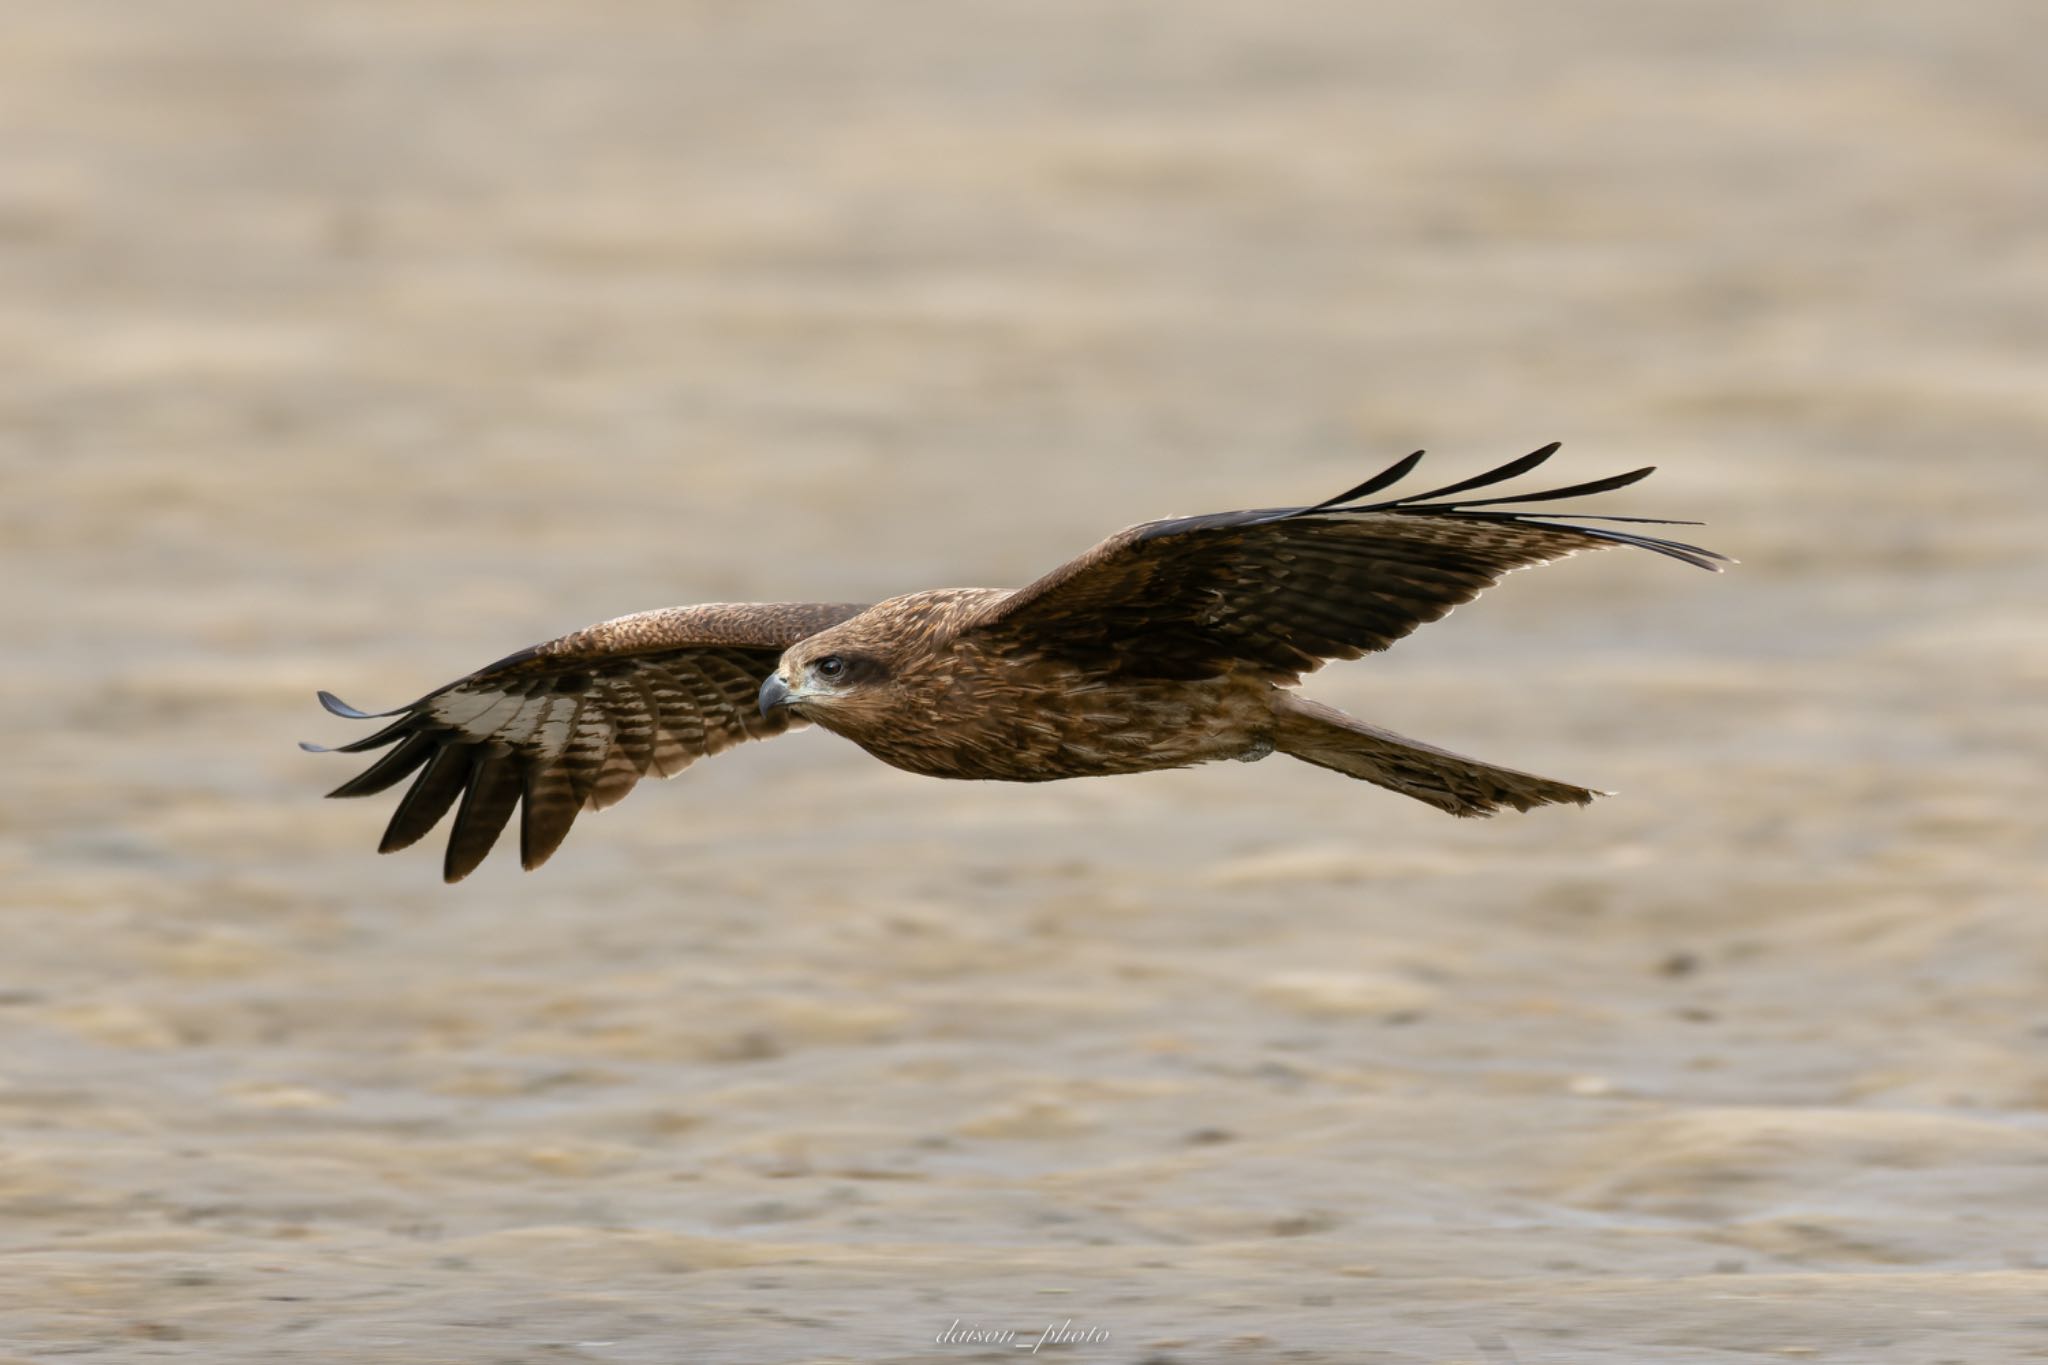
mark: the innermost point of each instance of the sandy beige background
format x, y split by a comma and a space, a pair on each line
354, 345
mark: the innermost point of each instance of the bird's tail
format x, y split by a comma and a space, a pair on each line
1328, 738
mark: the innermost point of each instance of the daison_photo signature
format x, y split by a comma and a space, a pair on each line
961, 1333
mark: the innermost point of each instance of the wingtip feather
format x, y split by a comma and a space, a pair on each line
1392, 474
1514, 468
339, 707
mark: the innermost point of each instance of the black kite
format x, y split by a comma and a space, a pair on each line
1171, 643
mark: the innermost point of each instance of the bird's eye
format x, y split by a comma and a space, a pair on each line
831, 666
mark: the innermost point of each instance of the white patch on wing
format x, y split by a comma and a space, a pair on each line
524, 723
486, 723
459, 708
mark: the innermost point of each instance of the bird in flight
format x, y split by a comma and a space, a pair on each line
1171, 643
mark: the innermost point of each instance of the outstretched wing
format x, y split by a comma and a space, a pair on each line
1284, 589
576, 722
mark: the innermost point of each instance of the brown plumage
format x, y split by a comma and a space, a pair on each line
1171, 643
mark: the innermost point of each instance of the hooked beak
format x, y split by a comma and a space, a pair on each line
774, 693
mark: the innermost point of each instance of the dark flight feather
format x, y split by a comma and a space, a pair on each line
493, 791
1392, 474
394, 767
429, 798
1500, 474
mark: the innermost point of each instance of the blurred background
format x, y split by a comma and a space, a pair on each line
354, 345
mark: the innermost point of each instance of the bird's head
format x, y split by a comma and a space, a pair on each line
862, 677
830, 678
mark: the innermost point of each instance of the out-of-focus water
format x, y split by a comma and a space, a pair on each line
355, 346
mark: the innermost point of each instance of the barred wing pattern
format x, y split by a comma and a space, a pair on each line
576, 722
1286, 589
